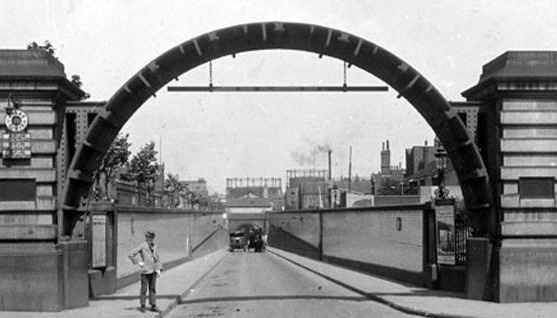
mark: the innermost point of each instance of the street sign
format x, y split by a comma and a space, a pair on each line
16, 145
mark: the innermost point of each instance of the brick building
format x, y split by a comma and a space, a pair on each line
388, 181
307, 189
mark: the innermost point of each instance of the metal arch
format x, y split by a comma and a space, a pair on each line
366, 55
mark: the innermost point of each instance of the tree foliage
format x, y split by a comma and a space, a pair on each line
47, 46
174, 189
143, 167
116, 157
76, 80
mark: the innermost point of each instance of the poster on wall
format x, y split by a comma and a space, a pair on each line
445, 229
99, 241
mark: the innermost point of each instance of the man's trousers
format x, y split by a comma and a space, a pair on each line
148, 281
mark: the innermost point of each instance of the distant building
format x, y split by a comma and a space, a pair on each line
357, 184
425, 180
418, 158
248, 204
253, 195
198, 187
261, 187
422, 175
307, 189
390, 179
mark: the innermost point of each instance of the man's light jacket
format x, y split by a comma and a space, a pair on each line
148, 255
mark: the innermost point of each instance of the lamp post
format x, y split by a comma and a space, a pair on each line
441, 193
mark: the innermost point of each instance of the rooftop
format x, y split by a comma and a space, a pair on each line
518, 71
27, 63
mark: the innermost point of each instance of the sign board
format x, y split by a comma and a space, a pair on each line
16, 145
445, 232
99, 241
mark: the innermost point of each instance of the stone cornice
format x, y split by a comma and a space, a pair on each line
531, 74
497, 87
40, 86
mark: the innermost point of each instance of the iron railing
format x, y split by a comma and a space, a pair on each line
462, 231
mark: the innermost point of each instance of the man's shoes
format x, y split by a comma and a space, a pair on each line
142, 308
155, 309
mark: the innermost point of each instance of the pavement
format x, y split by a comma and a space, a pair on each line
177, 283
172, 287
417, 300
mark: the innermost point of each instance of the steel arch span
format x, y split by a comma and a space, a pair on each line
410, 84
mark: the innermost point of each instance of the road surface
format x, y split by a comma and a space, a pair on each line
265, 285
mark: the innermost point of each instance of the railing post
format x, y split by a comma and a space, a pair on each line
429, 247
320, 247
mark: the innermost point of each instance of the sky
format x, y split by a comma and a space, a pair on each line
217, 136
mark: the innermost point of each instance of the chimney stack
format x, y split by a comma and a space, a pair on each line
386, 159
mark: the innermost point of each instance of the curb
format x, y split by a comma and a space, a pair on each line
181, 298
371, 296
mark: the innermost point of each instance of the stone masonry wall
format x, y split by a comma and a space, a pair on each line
177, 233
385, 240
372, 237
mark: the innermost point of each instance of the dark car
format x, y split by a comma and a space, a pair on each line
238, 241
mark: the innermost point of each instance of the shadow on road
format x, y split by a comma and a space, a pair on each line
132, 297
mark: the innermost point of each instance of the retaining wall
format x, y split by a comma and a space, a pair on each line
180, 236
385, 240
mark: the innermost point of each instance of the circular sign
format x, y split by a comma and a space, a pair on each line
16, 121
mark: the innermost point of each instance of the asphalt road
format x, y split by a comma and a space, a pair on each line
264, 285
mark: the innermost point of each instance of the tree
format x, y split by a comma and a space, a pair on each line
143, 168
116, 157
215, 204
173, 189
47, 46
76, 80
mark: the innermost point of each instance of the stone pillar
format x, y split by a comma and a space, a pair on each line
518, 91
38, 270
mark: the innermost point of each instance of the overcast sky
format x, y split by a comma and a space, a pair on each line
215, 136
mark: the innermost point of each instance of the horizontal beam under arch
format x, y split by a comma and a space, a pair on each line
276, 89
352, 49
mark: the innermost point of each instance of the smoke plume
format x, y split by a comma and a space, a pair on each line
316, 153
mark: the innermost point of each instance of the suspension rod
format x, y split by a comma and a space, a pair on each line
242, 89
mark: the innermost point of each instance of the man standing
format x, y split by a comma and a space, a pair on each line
150, 266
